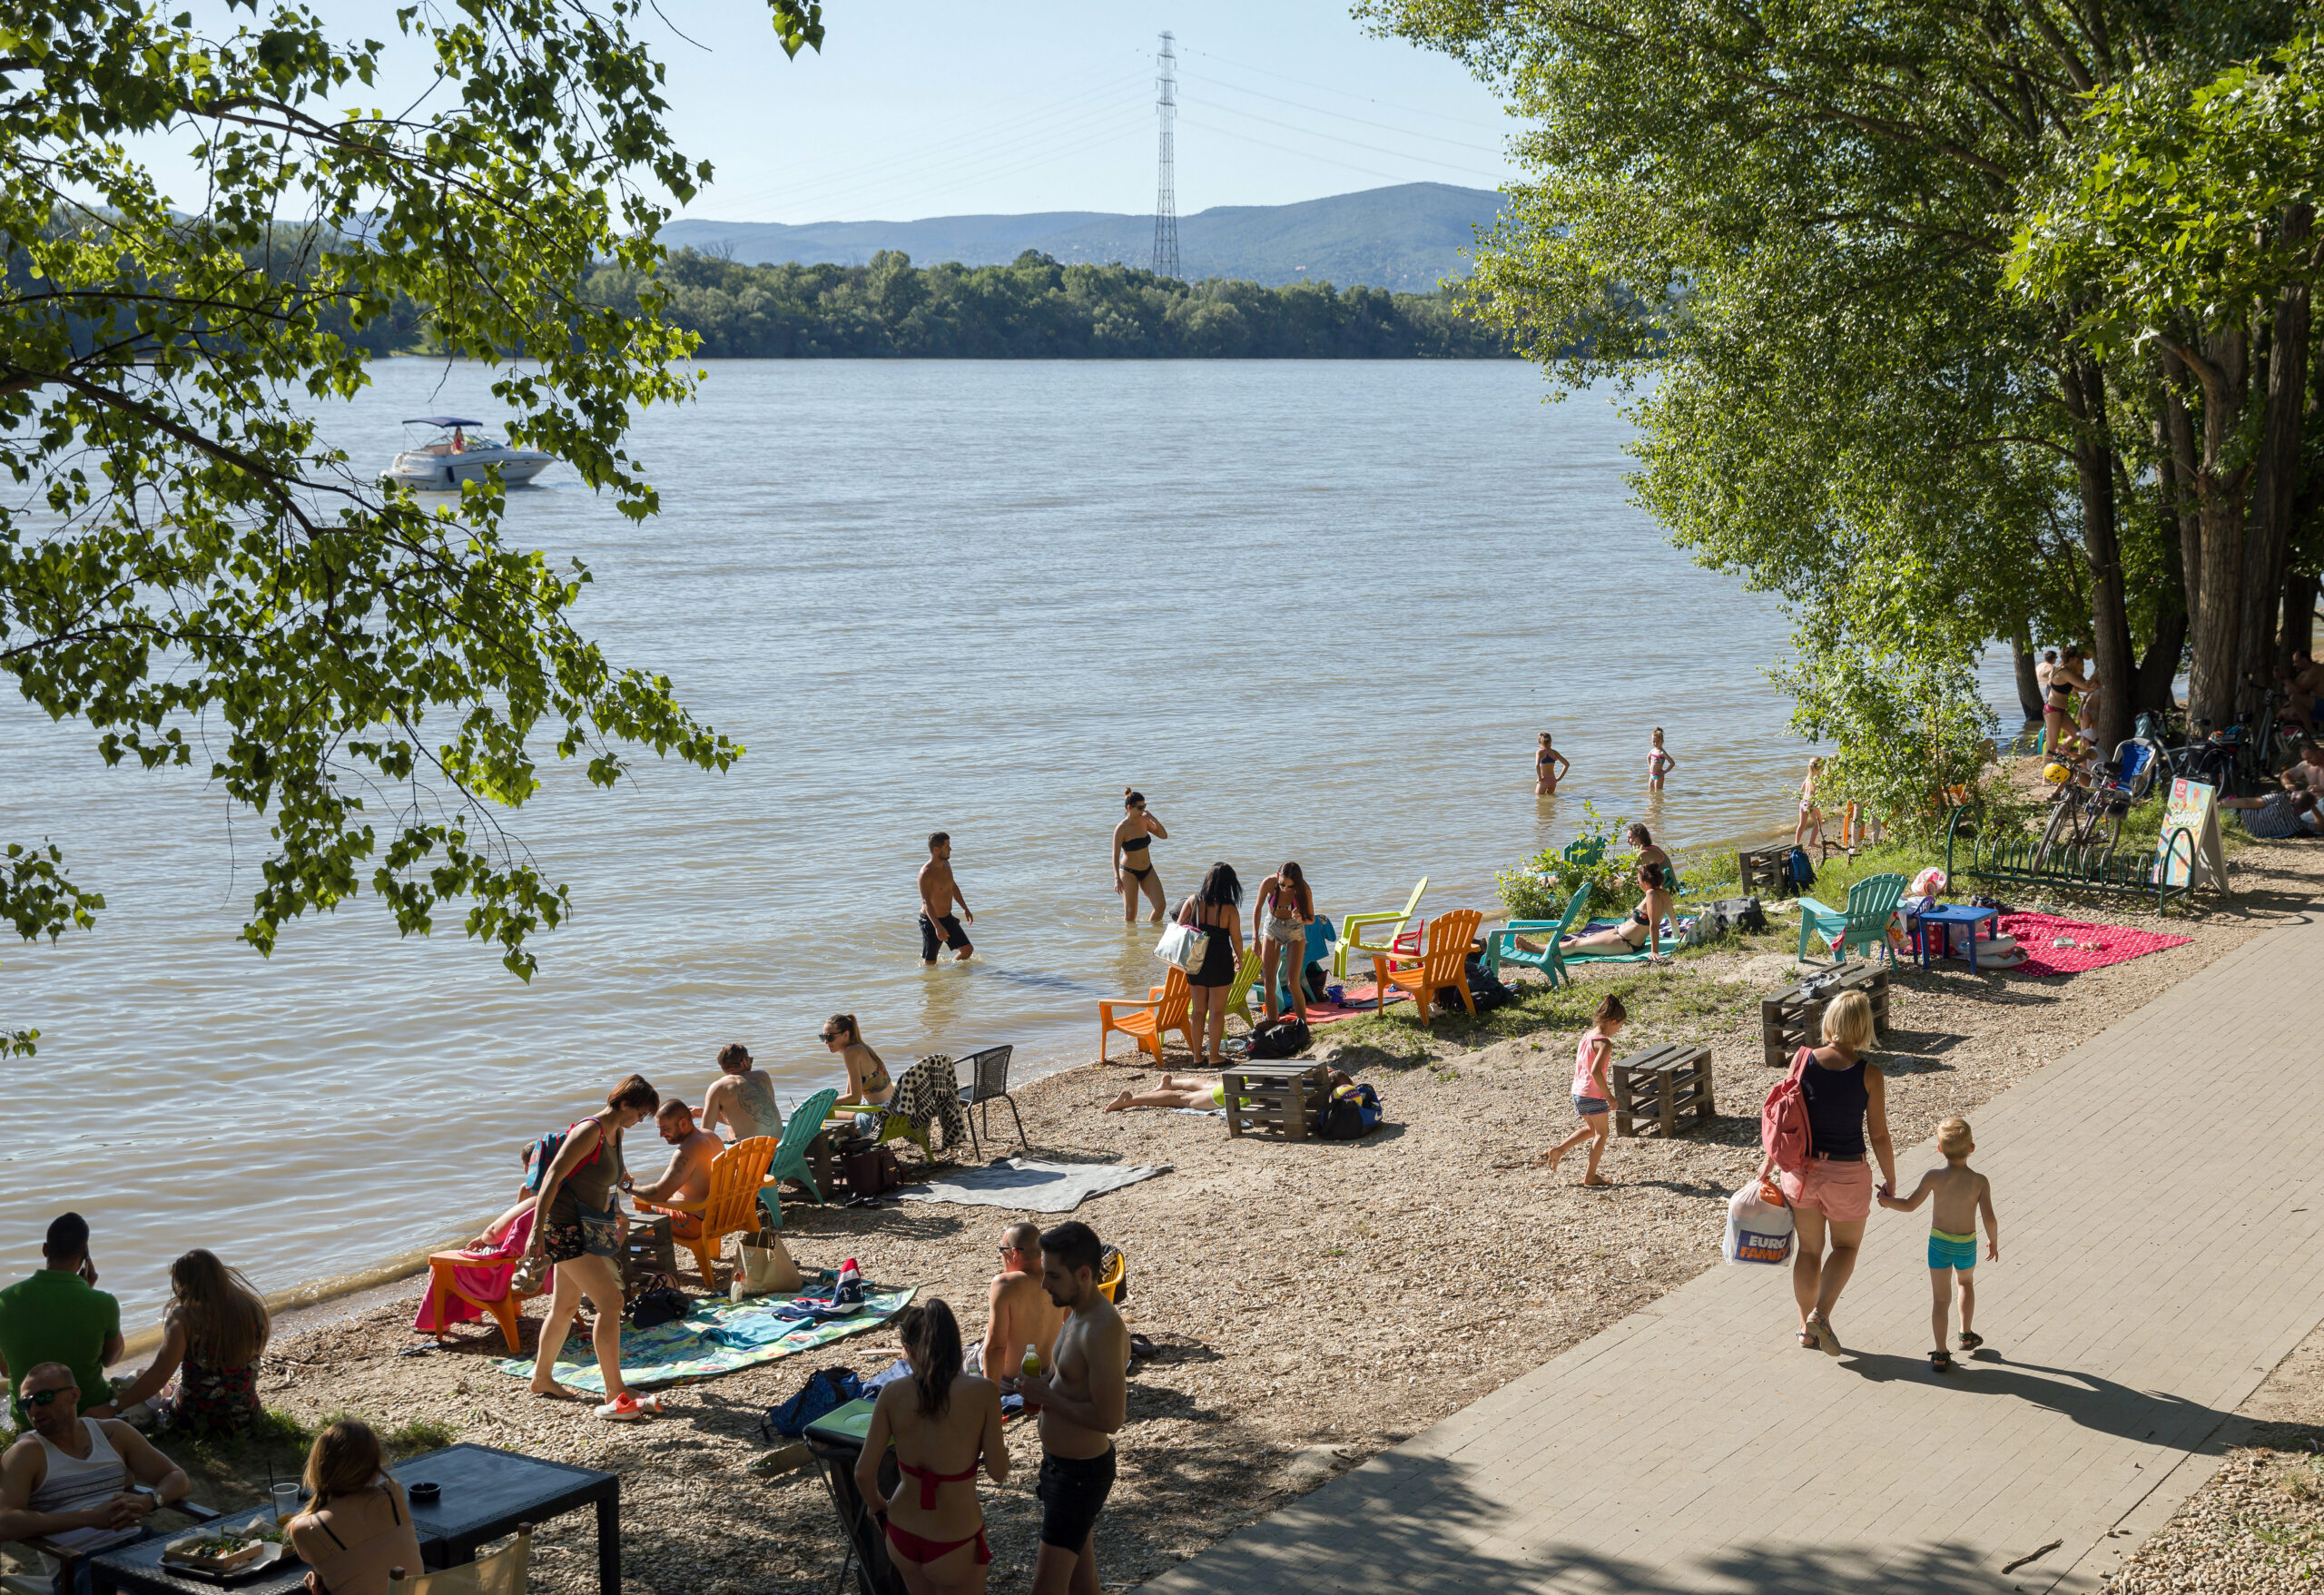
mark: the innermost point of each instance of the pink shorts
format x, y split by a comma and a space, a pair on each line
1842, 1192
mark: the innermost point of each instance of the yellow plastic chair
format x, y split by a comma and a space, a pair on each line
1353, 930
504, 1573
1239, 991
1444, 962
731, 1208
1148, 1021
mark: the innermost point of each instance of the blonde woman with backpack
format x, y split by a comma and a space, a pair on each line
1846, 1100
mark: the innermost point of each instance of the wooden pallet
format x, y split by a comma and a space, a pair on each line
1764, 871
646, 1249
1281, 1099
1663, 1085
1791, 1019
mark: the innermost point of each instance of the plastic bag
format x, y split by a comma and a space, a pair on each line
1758, 1230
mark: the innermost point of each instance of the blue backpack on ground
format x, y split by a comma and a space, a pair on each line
826, 1390
1798, 871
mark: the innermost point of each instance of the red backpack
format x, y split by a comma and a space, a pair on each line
1784, 1129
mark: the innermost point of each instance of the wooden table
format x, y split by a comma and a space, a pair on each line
1663, 1085
487, 1492
1272, 1098
1792, 1019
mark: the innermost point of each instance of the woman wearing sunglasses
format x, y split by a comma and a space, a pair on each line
867, 1077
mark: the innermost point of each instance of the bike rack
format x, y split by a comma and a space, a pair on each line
2023, 861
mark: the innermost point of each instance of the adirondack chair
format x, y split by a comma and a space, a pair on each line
1354, 929
1238, 989
790, 1159
1151, 1019
1863, 923
1502, 947
731, 1207
1444, 962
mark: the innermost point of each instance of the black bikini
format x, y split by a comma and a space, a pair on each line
1137, 844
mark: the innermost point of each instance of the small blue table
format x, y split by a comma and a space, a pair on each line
1934, 924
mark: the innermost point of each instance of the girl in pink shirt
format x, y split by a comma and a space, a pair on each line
1593, 1058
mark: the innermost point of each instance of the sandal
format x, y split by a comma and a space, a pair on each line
1940, 1361
1825, 1340
1807, 1342
1970, 1340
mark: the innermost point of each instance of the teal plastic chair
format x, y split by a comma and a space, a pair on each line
790, 1159
1501, 946
1864, 923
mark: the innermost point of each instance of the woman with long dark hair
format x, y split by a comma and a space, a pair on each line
576, 1228
214, 1329
1216, 907
1657, 880
945, 1423
1280, 915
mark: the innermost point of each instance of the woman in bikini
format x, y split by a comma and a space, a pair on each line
1659, 762
867, 1074
1548, 766
1659, 880
945, 1424
1811, 818
1280, 915
2065, 681
1133, 858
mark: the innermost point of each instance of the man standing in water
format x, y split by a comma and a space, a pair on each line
938, 893
1083, 1398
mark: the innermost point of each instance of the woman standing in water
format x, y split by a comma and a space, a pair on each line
1133, 860
1548, 766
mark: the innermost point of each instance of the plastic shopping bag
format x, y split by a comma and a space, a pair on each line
1758, 1229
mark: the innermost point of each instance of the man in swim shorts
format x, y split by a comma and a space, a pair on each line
1962, 1196
1083, 1397
938, 893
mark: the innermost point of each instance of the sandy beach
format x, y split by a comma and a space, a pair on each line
1315, 1302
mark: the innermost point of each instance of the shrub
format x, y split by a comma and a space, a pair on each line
1537, 889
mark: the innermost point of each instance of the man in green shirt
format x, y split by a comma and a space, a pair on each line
58, 1315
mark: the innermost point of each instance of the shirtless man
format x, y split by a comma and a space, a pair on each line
1021, 1313
938, 893
687, 1176
1083, 1398
742, 1097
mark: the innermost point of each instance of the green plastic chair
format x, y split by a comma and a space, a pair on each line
1864, 923
1502, 945
1238, 990
1353, 929
790, 1159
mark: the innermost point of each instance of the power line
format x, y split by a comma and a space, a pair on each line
1350, 94
1304, 154
1353, 143
1362, 121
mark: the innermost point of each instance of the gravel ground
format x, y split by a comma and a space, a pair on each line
1317, 1303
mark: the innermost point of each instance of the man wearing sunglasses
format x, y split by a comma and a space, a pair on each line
1021, 1315
74, 1474
59, 1315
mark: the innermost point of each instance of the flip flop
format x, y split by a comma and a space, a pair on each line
1970, 1340
1828, 1341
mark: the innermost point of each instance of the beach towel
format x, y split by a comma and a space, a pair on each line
1026, 1186
2112, 944
716, 1336
486, 1285
928, 1094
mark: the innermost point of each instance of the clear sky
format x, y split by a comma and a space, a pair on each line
1047, 106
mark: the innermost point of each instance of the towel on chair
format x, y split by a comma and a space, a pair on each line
930, 1094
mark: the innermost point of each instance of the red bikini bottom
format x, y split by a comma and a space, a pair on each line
924, 1552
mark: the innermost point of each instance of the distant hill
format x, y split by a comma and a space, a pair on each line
1406, 237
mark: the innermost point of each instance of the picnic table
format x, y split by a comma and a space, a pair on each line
485, 1494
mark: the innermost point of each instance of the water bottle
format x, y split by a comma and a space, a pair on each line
1031, 1366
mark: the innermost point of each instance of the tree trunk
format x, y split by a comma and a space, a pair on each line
2300, 612
2159, 666
2275, 489
2176, 467
2029, 685
2083, 387
2217, 577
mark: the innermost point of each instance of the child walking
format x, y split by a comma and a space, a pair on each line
1962, 1196
1592, 1095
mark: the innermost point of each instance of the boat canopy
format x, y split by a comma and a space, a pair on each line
440, 421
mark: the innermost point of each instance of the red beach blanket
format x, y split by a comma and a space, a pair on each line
2110, 944
1357, 1000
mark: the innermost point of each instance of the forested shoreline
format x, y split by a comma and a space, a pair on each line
1033, 309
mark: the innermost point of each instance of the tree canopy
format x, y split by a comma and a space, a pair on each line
188, 571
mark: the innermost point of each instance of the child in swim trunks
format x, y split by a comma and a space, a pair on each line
1962, 1196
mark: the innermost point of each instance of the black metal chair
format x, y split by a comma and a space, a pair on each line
988, 1073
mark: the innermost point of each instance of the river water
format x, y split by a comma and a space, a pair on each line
1313, 610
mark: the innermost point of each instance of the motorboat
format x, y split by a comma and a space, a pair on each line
457, 455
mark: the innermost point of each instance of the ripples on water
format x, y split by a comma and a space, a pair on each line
1313, 611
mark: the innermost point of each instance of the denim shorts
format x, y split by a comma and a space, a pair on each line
1589, 1107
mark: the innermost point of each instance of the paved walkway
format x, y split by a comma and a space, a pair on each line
2162, 1201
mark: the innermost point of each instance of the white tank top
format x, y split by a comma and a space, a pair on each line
77, 1484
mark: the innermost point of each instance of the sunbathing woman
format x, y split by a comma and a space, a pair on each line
1133, 858
1192, 1091
946, 1424
1549, 764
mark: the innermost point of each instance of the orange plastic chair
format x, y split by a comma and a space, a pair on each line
1442, 963
731, 1207
1151, 1018
443, 1283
